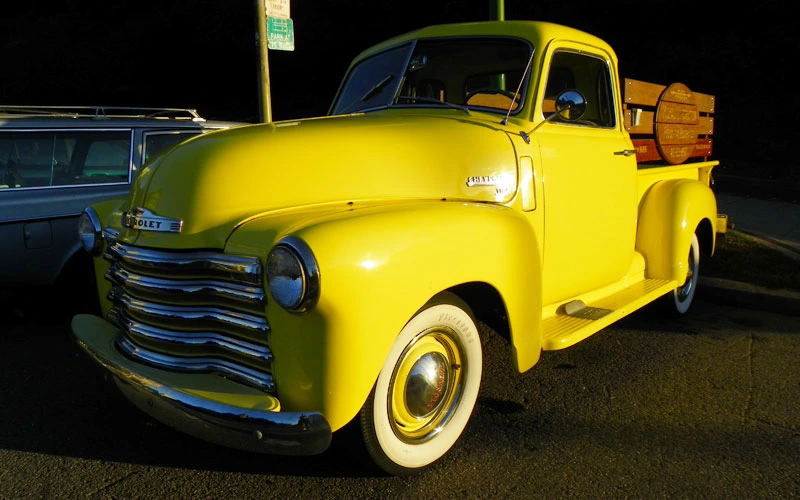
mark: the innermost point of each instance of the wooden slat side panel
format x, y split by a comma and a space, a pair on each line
703, 148
641, 93
705, 102
705, 125
646, 120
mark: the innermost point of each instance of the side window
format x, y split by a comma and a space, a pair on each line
63, 158
107, 160
28, 159
587, 74
98, 158
156, 142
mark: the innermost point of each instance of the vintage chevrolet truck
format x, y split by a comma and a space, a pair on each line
267, 286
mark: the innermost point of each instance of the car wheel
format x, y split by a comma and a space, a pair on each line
426, 390
681, 298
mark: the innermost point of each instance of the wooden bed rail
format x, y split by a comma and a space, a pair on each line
668, 123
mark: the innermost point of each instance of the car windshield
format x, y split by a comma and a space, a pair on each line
484, 73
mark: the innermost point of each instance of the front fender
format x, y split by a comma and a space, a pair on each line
378, 266
669, 214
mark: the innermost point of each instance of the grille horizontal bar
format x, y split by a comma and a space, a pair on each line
191, 312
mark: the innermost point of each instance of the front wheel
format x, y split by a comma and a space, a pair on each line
679, 301
426, 390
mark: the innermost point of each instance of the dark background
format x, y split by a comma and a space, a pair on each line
202, 54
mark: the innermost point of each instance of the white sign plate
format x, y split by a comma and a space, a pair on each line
278, 8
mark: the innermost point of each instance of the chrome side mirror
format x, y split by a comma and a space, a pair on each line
570, 105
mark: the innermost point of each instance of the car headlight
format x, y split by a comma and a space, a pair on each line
90, 231
292, 275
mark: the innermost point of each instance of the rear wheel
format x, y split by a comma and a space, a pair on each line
679, 301
426, 390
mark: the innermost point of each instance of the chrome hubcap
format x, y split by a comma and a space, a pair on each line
426, 386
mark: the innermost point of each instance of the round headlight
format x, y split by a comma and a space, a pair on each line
292, 275
90, 231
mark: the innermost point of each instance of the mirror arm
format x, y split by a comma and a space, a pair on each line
526, 135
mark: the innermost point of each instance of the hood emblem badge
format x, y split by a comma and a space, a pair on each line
143, 219
483, 180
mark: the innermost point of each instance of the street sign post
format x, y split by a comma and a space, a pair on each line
265, 108
276, 32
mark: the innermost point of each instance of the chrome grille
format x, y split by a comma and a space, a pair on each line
191, 312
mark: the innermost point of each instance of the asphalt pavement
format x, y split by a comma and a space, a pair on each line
776, 223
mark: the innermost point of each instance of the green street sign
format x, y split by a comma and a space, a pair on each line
280, 33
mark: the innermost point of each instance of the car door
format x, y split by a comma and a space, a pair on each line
589, 183
49, 177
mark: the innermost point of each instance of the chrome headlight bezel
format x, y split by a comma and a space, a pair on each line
90, 232
293, 276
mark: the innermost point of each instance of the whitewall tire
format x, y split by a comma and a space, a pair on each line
680, 300
427, 389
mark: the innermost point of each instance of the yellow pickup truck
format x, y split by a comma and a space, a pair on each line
267, 286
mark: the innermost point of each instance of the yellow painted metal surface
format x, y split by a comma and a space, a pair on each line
669, 213
215, 183
398, 205
379, 264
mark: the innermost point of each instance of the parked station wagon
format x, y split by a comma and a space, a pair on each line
54, 162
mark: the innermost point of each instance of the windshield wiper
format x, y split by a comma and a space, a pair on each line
377, 88
432, 100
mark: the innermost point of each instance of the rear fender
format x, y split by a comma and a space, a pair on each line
669, 214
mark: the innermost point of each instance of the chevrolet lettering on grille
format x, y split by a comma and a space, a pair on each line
145, 220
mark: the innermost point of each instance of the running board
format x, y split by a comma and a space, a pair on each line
576, 320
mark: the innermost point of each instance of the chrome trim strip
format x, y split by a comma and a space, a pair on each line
251, 297
188, 316
198, 340
200, 365
209, 264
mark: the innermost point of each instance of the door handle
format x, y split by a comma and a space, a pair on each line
625, 152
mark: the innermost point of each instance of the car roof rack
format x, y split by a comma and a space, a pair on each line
100, 112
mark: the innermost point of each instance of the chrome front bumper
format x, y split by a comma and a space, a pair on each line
185, 405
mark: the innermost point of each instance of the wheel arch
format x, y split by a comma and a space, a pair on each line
670, 213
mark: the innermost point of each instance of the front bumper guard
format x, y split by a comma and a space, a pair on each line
186, 408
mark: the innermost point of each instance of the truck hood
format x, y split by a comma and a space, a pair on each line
213, 182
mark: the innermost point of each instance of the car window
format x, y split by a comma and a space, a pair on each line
589, 75
60, 158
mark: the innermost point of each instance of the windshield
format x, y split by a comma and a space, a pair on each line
483, 73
